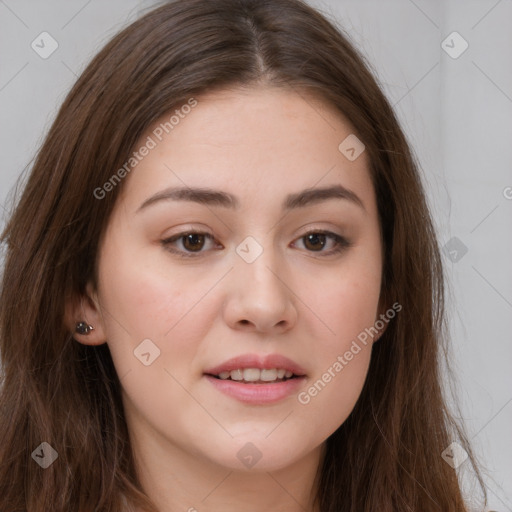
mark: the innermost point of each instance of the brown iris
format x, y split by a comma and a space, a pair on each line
316, 239
193, 241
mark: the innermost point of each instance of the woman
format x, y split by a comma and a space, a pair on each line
175, 333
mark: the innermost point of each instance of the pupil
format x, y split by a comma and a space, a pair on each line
194, 238
315, 238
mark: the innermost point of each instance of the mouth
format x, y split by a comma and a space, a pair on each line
256, 375
257, 379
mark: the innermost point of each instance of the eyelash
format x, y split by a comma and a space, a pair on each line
341, 242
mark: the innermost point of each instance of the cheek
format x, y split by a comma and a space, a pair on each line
139, 302
342, 355
347, 306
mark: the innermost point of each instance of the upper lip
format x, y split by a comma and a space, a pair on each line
268, 361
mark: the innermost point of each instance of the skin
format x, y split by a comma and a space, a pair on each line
259, 144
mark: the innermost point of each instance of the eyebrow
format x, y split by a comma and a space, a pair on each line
212, 197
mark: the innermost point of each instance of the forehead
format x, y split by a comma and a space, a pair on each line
257, 142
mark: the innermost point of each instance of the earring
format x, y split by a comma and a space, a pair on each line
83, 328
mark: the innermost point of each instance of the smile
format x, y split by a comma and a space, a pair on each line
256, 375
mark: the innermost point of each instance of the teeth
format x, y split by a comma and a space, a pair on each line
237, 375
255, 374
251, 374
268, 375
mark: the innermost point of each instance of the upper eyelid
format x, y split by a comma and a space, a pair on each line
181, 234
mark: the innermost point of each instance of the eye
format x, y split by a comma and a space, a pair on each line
192, 242
316, 240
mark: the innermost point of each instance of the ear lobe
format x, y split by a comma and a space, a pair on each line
86, 309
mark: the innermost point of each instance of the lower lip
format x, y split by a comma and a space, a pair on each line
257, 394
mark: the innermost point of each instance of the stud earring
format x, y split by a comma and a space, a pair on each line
83, 328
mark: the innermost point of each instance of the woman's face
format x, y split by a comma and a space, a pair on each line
249, 166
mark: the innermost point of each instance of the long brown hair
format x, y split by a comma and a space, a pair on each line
387, 454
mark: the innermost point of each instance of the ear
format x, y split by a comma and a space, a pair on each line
86, 308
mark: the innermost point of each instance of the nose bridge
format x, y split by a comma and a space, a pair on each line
257, 264
260, 294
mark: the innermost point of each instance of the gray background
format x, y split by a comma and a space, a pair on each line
456, 112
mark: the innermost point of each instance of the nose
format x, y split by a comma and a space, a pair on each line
260, 297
